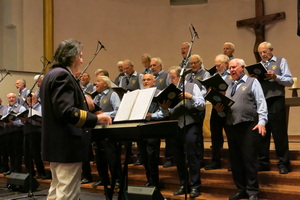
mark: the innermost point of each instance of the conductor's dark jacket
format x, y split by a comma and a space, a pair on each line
65, 136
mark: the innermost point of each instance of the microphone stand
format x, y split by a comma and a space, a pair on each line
30, 194
2, 78
99, 47
182, 80
108, 191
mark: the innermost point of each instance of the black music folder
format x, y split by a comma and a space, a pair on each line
170, 93
216, 82
120, 91
258, 70
212, 70
92, 94
23, 114
215, 97
32, 114
8, 117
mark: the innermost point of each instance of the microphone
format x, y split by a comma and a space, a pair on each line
196, 34
101, 45
7, 72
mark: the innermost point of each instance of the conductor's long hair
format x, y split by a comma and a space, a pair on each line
66, 52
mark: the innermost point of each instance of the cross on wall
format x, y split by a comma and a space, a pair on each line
258, 24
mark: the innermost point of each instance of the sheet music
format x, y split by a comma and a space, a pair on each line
142, 104
126, 105
135, 105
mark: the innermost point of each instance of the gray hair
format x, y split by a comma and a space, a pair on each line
66, 52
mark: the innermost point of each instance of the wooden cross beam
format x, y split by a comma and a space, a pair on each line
258, 24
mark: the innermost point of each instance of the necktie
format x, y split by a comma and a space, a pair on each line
192, 77
9, 109
266, 64
127, 79
98, 101
236, 83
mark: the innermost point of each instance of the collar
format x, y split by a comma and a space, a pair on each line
132, 75
243, 78
12, 106
21, 91
105, 91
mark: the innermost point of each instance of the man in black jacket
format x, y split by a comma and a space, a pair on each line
66, 117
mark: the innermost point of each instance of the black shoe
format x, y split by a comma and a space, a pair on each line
213, 165
168, 164
194, 193
238, 195
253, 197
182, 190
7, 173
138, 162
262, 168
99, 183
283, 169
85, 181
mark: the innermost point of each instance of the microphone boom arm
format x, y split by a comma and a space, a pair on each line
187, 60
95, 54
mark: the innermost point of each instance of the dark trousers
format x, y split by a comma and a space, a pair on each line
278, 127
32, 153
190, 141
108, 157
3, 154
150, 155
14, 145
86, 166
169, 155
243, 149
217, 124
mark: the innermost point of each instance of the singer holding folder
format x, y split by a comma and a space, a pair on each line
245, 122
190, 123
279, 77
66, 119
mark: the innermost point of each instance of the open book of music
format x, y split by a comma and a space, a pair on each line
216, 82
258, 70
32, 114
8, 117
212, 70
215, 97
170, 93
135, 105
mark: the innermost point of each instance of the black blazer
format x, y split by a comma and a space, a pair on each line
65, 136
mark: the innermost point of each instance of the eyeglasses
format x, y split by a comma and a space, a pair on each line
194, 63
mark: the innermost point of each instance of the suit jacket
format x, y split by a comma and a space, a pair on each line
65, 136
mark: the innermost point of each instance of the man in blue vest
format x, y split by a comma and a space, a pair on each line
245, 121
278, 77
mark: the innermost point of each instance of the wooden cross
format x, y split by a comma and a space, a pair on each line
258, 24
